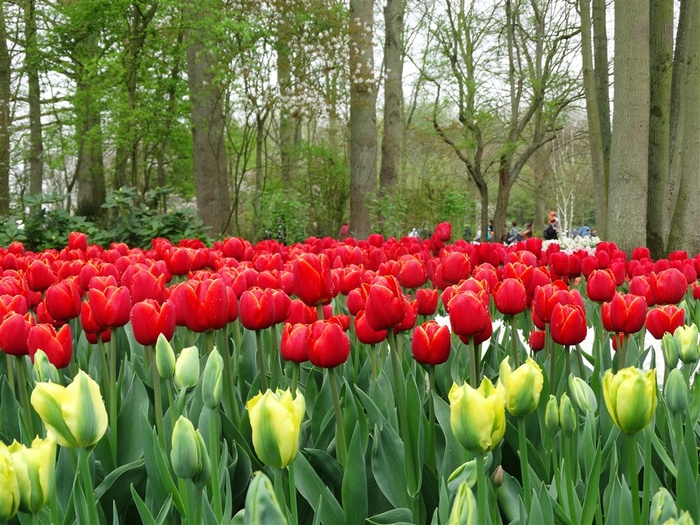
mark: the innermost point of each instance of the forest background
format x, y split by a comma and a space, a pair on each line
287, 118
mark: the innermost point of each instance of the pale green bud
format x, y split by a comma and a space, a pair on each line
630, 397
9, 488
185, 455
683, 519
261, 506
477, 416
35, 468
43, 370
582, 395
464, 511
211, 379
668, 348
567, 416
676, 392
75, 416
202, 477
275, 418
663, 507
522, 386
165, 358
551, 416
686, 339
187, 368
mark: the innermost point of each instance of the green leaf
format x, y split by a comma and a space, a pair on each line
387, 455
129, 443
354, 490
115, 487
685, 486
413, 450
392, 517
81, 507
590, 501
145, 514
373, 413
313, 489
9, 413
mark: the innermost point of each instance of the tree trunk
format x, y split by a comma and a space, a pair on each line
259, 175
505, 184
31, 67
89, 174
678, 108
595, 126
363, 118
210, 175
5, 118
629, 160
393, 96
288, 122
685, 233
661, 61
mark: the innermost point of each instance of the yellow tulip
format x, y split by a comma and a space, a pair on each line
477, 416
75, 416
630, 397
275, 418
9, 492
464, 510
522, 386
35, 468
686, 339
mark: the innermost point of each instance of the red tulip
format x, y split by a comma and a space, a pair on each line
341, 320
365, 333
294, 343
14, 332
468, 315
300, 313
12, 304
206, 305
510, 297
443, 231
624, 313
546, 297
282, 305
63, 300
618, 340
179, 260
77, 241
664, 319
357, 298
427, 300
329, 345
431, 343
410, 309
313, 282
145, 285
601, 285
257, 309
58, 346
486, 272
384, 306
668, 286
455, 267
111, 307
639, 285
349, 279
150, 319
412, 272
568, 324
536, 340
39, 276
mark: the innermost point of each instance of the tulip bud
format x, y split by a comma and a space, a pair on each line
75, 416
663, 508
202, 477
668, 347
261, 506
686, 339
477, 416
522, 386
44, 371
187, 368
676, 392
185, 455
275, 418
9, 495
35, 468
630, 397
211, 379
464, 509
567, 416
165, 358
551, 416
683, 519
582, 395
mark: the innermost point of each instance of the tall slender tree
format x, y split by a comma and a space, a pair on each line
393, 95
32, 64
5, 116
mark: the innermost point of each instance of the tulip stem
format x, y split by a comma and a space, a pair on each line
10, 373
341, 450
513, 342
373, 359
293, 494
622, 353
196, 499
482, 489
158, 402
634, 482
113, 400
89, 491
275, 360
260, 358
552, 370
647, 473
230, 404
24, 399
524, 465
430, 446
214, 455
473, 364
295, 378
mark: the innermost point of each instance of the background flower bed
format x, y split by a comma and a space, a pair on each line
376, 439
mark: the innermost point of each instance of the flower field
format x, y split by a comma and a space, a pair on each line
358, 381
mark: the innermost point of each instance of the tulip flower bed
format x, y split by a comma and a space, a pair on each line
322, 383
